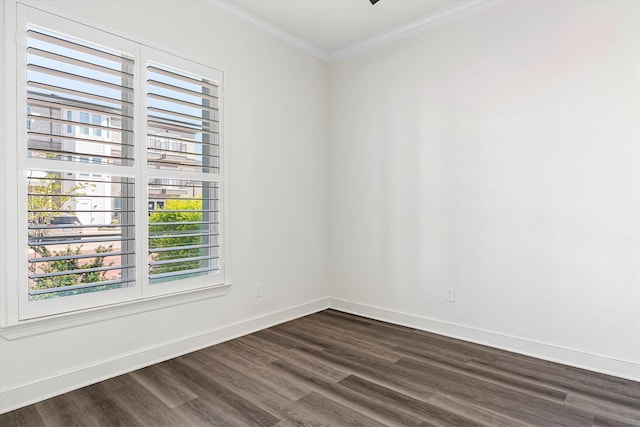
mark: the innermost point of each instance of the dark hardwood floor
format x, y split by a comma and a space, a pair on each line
335, 369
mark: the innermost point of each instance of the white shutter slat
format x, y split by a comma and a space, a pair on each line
76, 78
73, 288
77, 62
207, 122
182, 90
80, 47
174, 74
184, 103
36, 100
77, 95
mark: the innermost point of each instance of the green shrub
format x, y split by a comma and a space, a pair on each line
193, 214
73, 264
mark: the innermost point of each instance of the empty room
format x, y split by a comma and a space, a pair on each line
320, 212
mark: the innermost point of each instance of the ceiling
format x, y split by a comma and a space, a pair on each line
335, 24
335, 29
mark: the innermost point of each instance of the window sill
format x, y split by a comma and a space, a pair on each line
40, 326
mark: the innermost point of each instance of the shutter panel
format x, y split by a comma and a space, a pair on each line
182, 121
183, 153
67, 78
80, 99
80, 238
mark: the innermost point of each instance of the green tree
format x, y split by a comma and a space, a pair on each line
46, 200
190, 214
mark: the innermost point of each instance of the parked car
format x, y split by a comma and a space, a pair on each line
63, 227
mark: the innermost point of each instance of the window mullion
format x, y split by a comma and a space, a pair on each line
142, 219
129, 144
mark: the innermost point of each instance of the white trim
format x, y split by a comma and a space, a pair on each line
580, 359
638, 289
28, 328
5, 163
229, 9
435, 19
8, 168
48, 165
62, 382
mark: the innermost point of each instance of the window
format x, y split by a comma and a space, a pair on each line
84, 118
97, 121
69, 120
182, 137
72, 249
120, 217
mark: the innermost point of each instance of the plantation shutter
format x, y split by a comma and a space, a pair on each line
79, 99
67, 79
183, 142
182, 121
91, 157
68, 256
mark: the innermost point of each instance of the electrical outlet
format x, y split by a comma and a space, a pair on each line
451, 294
258, 290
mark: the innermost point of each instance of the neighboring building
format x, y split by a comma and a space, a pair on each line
59, 132
87, 133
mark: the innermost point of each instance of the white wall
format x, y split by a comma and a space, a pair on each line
276, 124
497, 155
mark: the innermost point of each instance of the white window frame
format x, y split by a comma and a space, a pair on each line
18, 311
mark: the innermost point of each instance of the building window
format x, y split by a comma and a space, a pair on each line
80, 218
97, 121
69, 120
84, 118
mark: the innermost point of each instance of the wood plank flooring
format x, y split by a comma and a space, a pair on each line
335, 369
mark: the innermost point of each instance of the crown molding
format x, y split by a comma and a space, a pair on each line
428, 22
432, 20
268, 28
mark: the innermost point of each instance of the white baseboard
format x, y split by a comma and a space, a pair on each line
579, 359
60, 383
63, 382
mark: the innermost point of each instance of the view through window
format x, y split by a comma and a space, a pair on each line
99, 205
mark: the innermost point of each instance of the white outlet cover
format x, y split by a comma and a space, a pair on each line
451, 294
